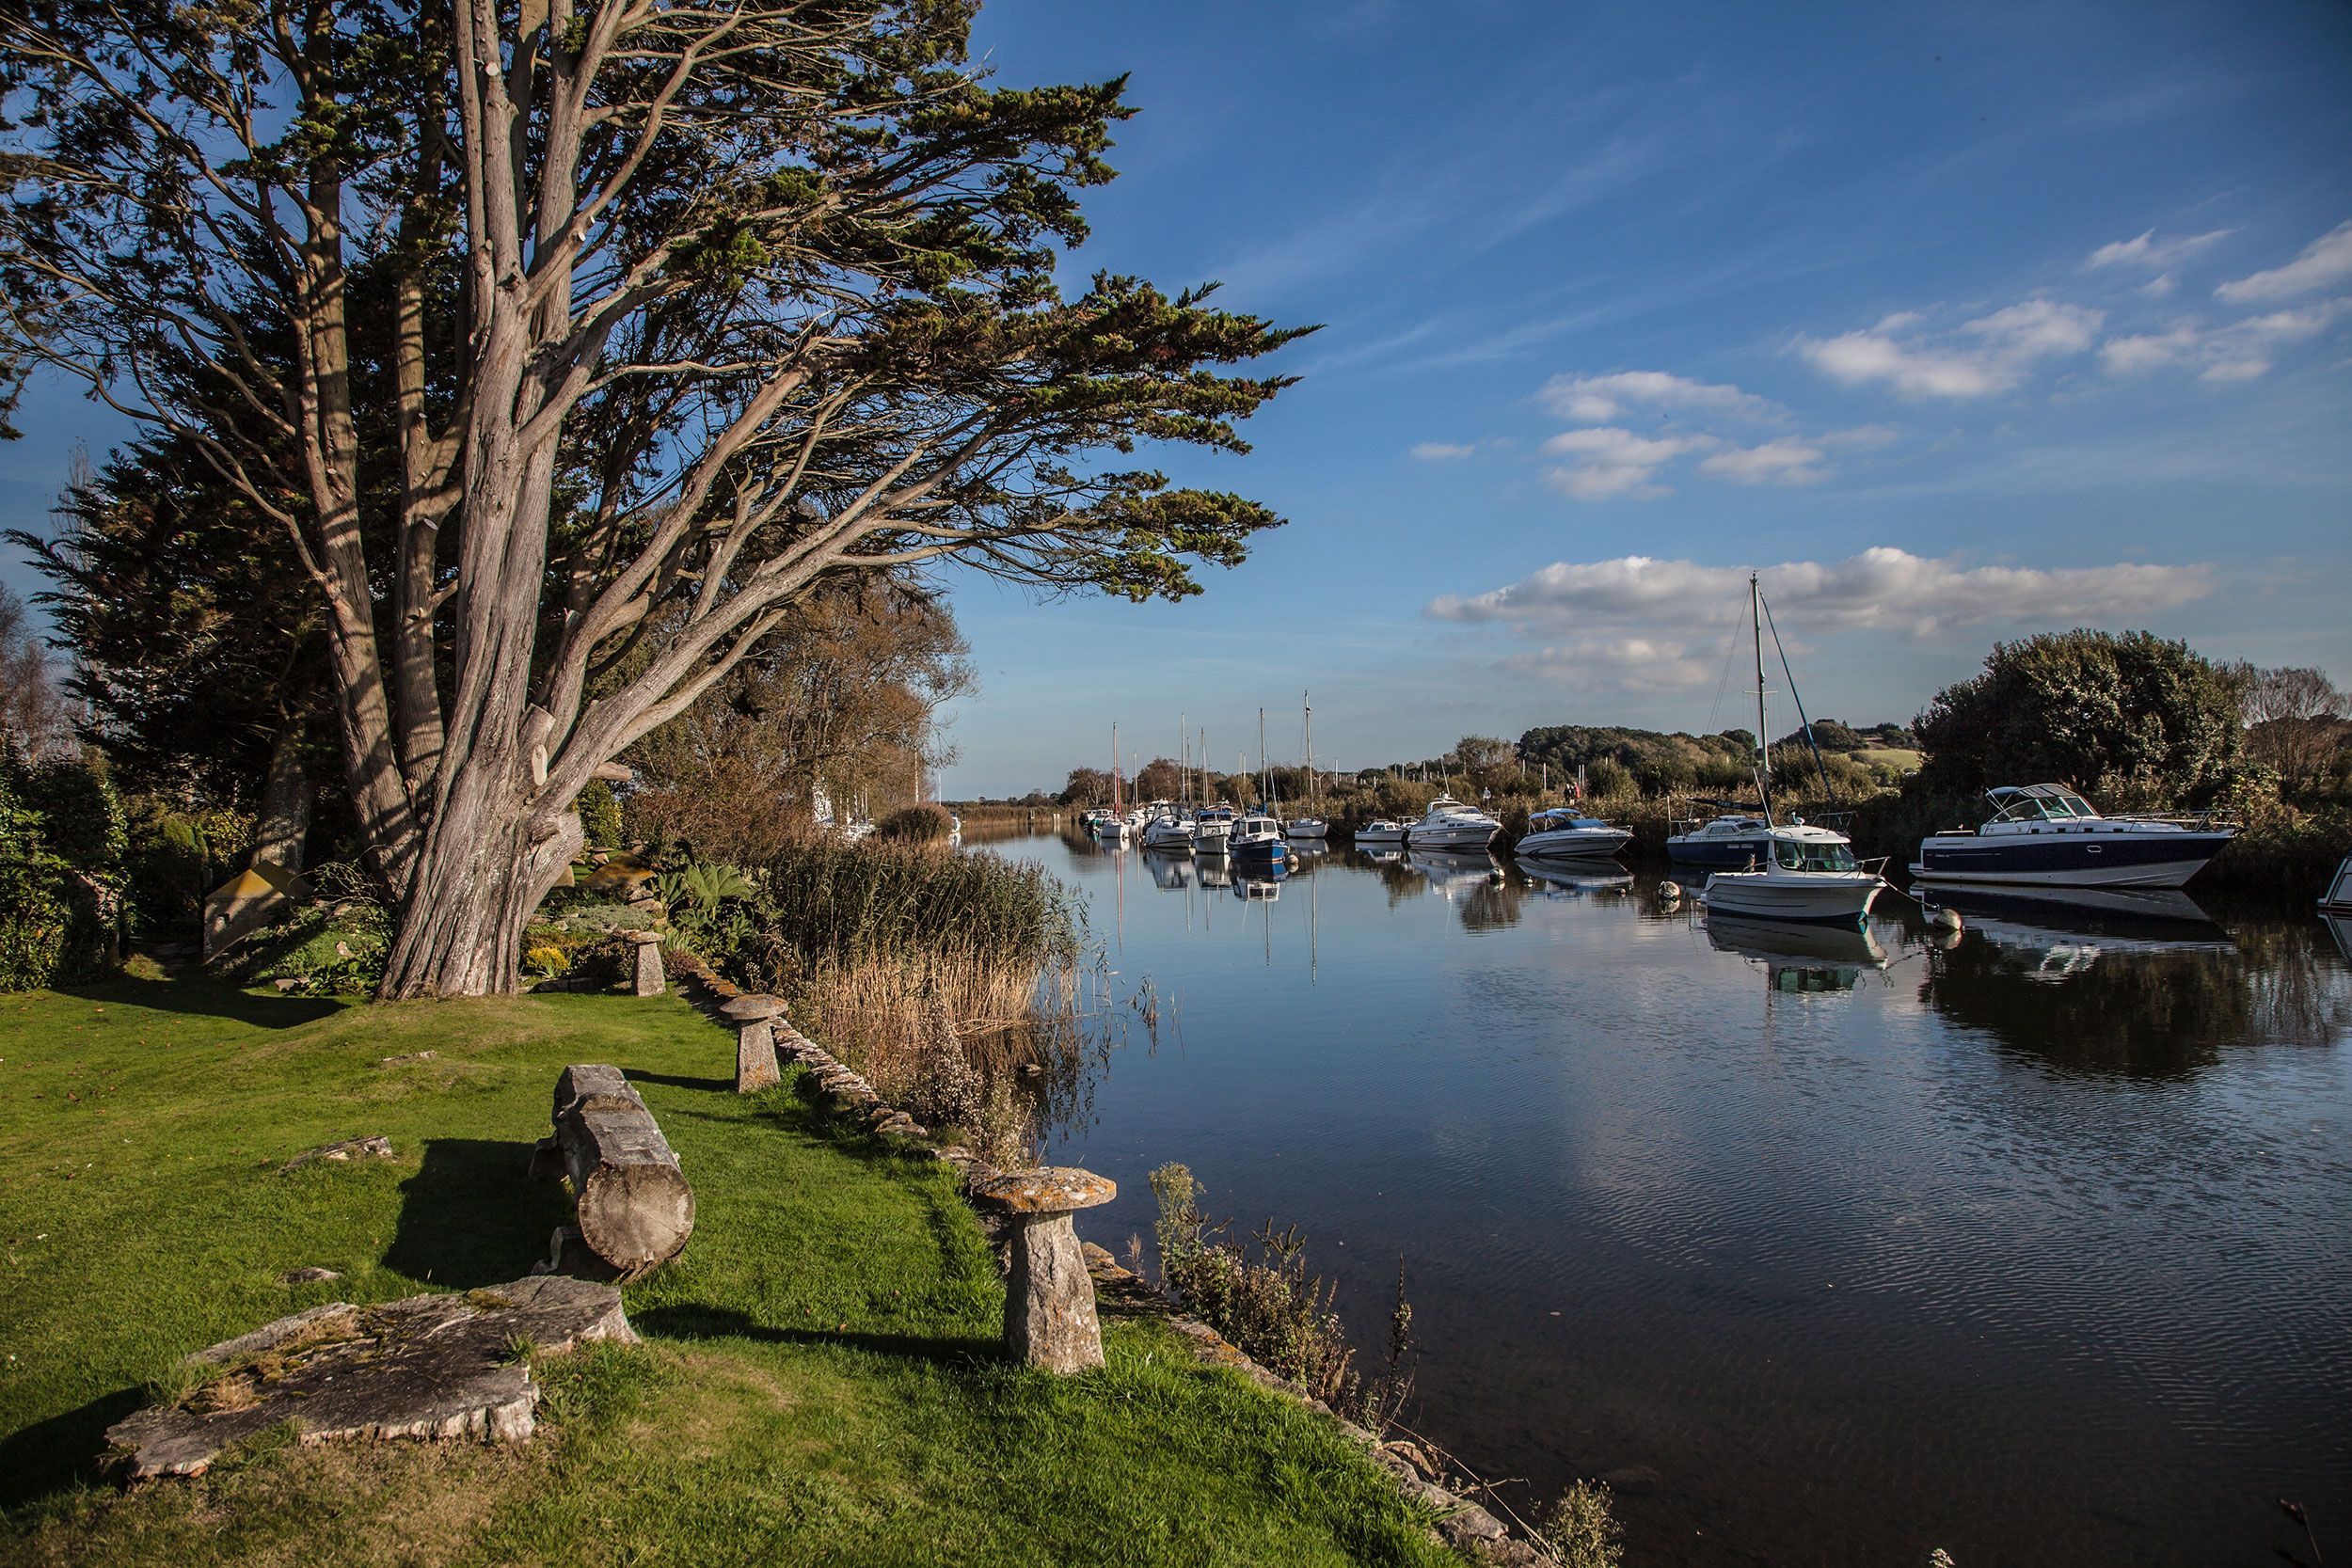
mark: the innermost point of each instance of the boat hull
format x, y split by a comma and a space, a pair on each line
1577, 843
2070, 860
1719, 854
1471, 837
1307, 828
1818, 899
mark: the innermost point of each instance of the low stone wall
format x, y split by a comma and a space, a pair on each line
1119, 1292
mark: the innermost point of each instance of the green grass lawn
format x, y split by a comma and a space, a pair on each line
819, 1382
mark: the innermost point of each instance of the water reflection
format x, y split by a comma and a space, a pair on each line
2140, 984
1799, 958
1574, 877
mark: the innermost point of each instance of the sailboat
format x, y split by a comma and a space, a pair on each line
1256, 841
1171, 831
1309, 826
1799, 871
1115, 827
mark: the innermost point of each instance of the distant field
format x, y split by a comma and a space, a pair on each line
1889, 756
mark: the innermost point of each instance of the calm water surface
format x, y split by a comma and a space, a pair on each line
2037, 1247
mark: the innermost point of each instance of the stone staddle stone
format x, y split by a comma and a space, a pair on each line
439, 1367
1049, 1296
647, 980
754, 1041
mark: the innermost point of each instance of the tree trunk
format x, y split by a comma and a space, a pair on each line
488, 861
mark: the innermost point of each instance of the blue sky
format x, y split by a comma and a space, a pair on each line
1960, 322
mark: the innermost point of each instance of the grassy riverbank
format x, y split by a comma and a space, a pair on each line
818, 1381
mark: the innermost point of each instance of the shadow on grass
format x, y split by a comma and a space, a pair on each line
49, 1456
674, 1081
473, 1215
206, 998
692, 1322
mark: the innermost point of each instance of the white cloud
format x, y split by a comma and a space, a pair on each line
2237, 351
1986, 355
2324, 260
1861, 437
1596, 398
1617, 663
1882, 588
1614, 462
2148, 251
1438, 452
1787, 461
2160, 286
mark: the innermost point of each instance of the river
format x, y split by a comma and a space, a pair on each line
2035, 1247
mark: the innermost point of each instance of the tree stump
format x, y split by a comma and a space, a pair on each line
1049, 1296
633, 1209
754, 1041
647, 980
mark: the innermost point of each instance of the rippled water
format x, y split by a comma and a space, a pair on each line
2037, 1248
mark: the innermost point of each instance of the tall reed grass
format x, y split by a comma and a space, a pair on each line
945, 978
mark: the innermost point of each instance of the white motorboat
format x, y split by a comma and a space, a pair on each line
1451, 825
1380, 831
1113, 831
1808, 874
1306, 826
1168, 834
2339, 894
2048, 835
1212, 830
1563, 834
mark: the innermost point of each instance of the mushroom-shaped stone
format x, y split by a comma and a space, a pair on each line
648, 978
754, 1041
1049, 1297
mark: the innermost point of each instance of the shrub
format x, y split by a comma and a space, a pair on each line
548, 962
34, 926
1582, 1530
919, 824
599, 815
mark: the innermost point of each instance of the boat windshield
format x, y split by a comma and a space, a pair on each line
1801, 856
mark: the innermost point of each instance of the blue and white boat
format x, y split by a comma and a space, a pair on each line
2048, 835
1731, 842
1257, 846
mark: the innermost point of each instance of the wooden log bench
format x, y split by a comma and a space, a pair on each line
632, 1208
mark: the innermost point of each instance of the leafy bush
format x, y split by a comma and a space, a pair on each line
60, 912
548, 962
35, 925
1582, 1530
599, 815
339, 947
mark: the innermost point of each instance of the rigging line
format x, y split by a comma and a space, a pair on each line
1819, 765
1731, 649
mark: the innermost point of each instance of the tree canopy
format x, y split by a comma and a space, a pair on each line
568, 346
2131, 718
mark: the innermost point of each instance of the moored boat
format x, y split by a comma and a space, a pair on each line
1562, 833
1451, 825
2048, 835
1256, 844
1807, 873
1168, 834
1727, 842
1380, 831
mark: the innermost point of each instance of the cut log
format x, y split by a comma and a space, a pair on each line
634, 1207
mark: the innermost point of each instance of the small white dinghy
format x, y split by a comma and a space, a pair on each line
1809, 875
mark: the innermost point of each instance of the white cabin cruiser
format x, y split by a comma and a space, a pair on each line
1563, 834
1451, 825
1807, 873
1380, 831
1306, 826
1212, 830
2049, 835
1168, 834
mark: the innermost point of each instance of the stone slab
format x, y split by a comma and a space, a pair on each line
426, 1367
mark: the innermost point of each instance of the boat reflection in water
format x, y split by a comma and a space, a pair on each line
1453, 871
1571, 879
1799, 958
1258, 890
1168, 871
2340, 927
2066, 929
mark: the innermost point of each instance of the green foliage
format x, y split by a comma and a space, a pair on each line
1582, 1528
322, 949
917, 824
35, 926
61, 841
599, 815
82, 819
2135, 721
547, 962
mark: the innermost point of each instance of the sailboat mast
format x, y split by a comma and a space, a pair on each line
1119, 806
1763, 757
1315, 792
1184, 763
